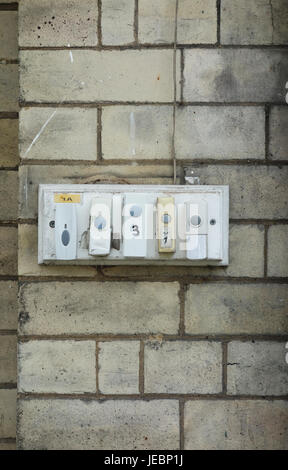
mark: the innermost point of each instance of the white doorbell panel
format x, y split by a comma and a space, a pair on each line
137, 222
100, 226
166, 224
65, 231
125, 224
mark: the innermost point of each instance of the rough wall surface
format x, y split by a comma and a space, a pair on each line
146, 357
8, 221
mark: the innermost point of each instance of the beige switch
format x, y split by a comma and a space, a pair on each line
166, 224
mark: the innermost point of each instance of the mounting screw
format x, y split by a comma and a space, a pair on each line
212, 222
52, 223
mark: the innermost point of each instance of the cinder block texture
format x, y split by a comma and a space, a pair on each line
94, 425
9, 142
255, 191
30, 175
137, 132
7, 413
8, 305
117, 22
277, 251
246, 248
220, 132
89, 307
183, 367
8, 252
8, 346
28, 258
9, 87
231, 75
8, 195
257, 368
220, 308
8, 35
7, 446
119, 367
126, 75
58, 23
57, 366
250, 186
197, 21
278, 149
257, 22
236, 425
58, 134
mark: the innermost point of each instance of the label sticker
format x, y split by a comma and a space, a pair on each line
66, 198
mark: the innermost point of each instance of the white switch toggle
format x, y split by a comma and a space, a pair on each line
65, 231
166, 224
196, 226
137, 226
196, 246
100, 226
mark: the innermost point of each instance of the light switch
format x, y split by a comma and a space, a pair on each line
100, 226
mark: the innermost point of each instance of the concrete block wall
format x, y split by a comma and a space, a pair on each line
146, 357
9, 160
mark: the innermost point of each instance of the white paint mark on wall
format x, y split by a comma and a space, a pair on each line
39, 133
132, 133
71, 55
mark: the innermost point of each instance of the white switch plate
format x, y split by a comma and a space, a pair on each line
215, 198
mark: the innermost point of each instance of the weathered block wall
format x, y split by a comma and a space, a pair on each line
8, 221
146, 357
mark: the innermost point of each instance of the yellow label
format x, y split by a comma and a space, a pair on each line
76, 198
166, 224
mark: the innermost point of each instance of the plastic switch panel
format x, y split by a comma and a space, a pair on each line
116, 224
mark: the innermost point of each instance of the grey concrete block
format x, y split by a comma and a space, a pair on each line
118, 75
57, 366
220, 132
119, 367
220, 308
93, 425
89, 307
257, 368
236, 425
231, 75
58, 23
277, 251
278, 148
257, 22
183, 367
58, 134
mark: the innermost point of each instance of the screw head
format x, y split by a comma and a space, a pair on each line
212, 222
